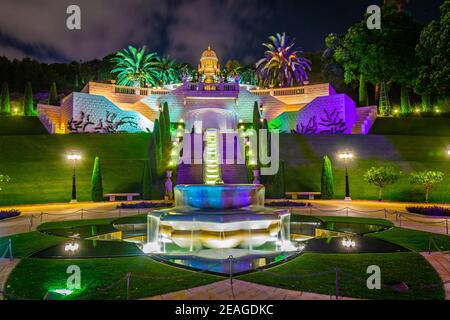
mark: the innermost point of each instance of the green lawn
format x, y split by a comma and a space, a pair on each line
20, 125
302, 155
412, 126
414, 240
33, 278
40, 173
306, 273
24, 244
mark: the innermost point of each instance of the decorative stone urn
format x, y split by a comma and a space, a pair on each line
256, 177
169, 186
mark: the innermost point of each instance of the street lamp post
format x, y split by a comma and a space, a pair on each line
74, 157
346, 156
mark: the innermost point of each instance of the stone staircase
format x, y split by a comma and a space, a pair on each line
366, 118
229, 173
50, 117
212, 161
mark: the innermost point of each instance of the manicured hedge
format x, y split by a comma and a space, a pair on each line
430, 211
9, 214
144, 205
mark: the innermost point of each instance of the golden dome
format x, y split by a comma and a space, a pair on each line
209, 53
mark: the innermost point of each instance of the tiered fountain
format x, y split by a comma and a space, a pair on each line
216, 222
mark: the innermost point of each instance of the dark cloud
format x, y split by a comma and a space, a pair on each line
180, 28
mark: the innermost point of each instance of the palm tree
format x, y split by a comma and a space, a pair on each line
282, 65
247, 75
186, 70
135, 67
232, 67
168, 71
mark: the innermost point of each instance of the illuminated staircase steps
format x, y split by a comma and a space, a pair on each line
212, 169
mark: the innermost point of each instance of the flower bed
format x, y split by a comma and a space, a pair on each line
430, 211
9, 214
144, 205
286, 203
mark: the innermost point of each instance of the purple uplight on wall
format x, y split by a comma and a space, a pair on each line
335, 114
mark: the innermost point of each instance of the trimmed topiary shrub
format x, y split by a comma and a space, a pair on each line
5, 103
53, 95
97, 182
327, 181
28, 103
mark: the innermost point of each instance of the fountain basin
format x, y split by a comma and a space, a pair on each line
244, 228
217, 217
219, 196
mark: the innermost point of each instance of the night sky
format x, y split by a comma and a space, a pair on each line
179, 28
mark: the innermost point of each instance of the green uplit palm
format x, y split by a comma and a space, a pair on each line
282, 65
135, 66
247, 75
168, 71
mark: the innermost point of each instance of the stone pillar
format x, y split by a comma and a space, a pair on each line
256, 177
169, 186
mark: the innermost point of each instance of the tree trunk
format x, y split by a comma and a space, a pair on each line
427, 191
380, 195
377, 93
404, 99
363, 101
137, 86
426, 103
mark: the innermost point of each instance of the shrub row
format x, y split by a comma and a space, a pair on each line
430, 211
144, 205
9, 214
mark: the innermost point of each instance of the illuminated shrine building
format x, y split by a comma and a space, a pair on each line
218, 103
209, 65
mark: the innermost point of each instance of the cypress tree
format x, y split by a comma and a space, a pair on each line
147, 182
158, 145
5, 104
327, 184
167, 134
53, 95
28, 104
152, 158
256, 125
97, 182
162, 130
256, 116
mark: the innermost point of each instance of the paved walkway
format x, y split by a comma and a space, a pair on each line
6, 266
241, 290
441, 263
